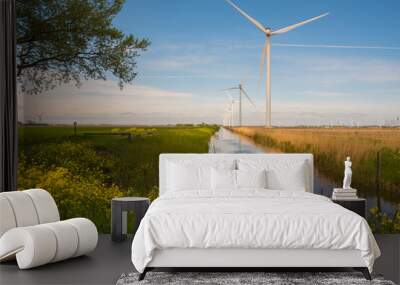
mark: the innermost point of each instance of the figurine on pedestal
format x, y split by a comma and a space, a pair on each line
347, 173
345, 193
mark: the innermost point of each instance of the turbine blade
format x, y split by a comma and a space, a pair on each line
289, 28
262, 64
229, 95
248, 98
250, 19
232, 88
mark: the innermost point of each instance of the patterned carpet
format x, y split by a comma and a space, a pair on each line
268, 278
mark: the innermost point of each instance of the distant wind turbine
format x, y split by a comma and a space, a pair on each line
40, 117
266, 52
228, 117
230, 108
241, 92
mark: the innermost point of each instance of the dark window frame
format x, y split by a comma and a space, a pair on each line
8, 97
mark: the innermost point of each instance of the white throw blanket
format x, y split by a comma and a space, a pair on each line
250, 219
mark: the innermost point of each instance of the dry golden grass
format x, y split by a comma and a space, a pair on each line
341, 142
330, 147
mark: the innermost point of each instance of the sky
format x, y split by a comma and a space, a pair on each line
341, 69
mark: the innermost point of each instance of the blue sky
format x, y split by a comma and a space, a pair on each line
344, 68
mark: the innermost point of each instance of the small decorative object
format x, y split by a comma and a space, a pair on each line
345, 193
347, 173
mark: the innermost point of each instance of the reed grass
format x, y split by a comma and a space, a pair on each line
331, 146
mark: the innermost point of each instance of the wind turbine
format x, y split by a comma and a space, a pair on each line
266, 52
228, 117
230, 108
241, 92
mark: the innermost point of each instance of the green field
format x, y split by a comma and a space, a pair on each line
84, 172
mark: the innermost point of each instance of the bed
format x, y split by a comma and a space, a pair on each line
247, 211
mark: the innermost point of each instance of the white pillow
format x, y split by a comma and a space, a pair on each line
282, 174
251, 178
187, 174
223, 179
183, 178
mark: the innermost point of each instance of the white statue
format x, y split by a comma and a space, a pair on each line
347, 174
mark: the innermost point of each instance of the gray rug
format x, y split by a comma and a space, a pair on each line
269, 278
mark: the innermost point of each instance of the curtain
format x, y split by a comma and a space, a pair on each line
8, 98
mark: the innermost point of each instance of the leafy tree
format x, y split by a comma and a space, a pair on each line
59, 41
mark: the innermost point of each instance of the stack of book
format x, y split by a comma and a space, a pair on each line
344, 194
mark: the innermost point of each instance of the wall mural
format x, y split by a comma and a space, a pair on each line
105, 86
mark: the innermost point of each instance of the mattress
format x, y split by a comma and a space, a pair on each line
250, 219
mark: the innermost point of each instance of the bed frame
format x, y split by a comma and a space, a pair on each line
246, 259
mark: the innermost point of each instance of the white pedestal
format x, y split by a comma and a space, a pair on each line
342, 190
344, 194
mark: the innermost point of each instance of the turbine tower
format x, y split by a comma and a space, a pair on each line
229, 114
241, 93
230, 109
266, 52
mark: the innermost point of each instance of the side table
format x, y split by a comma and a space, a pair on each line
119, 208
358, 206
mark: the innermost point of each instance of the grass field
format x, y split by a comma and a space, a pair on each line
84, 172
330, 147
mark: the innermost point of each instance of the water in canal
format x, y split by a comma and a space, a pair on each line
225, 141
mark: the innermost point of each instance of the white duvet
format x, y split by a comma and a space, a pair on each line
250, 219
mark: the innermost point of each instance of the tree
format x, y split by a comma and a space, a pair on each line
59, 41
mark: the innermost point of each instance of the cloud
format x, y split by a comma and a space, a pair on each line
178, 84
152, 105
104, 102
337, 46
335, 70
110, 88
232, 60
328, 94
178, 62
217, 44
